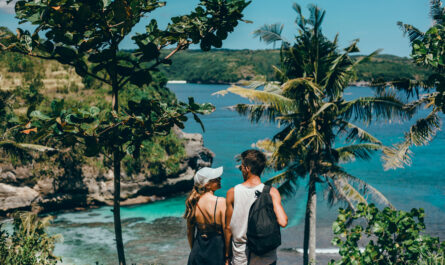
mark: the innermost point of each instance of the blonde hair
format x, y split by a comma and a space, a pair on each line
192, 201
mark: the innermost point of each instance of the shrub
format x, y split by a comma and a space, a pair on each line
29, 244
395, 237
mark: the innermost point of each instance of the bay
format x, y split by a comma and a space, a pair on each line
155, 233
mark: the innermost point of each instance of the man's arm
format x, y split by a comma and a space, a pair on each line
278, 207
227, 230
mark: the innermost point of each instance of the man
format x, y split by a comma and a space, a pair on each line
239, 200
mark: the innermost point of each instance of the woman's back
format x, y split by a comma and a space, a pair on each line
210, 210
208, 246
205, 219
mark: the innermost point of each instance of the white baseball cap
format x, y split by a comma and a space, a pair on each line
205, 174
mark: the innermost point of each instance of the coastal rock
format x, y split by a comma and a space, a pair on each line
12, 197
77, 188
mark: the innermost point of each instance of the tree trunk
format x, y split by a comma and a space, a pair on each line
310, 224
117, 187
117, 209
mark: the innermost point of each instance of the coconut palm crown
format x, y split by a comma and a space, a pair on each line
319, 125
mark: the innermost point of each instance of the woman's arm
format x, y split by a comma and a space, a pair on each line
228, 215
190, 233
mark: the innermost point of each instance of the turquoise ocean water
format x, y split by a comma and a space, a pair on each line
154, 233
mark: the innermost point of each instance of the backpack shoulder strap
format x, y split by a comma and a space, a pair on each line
266, 188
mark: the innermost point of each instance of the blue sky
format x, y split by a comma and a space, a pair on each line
371, 21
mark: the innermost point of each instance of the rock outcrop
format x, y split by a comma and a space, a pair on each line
20, 188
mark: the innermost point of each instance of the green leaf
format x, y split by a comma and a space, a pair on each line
57, 106
92, 146
81, 68
140, 78
66, 54
336, 228
106, 3
39, 115
150, 52
198, 120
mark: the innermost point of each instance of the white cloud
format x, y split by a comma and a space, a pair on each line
8, 8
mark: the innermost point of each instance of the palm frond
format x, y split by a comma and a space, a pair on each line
386, 106
333, 195
281, 135
397, 156
316, 17
270, 33
310, 135
324, 107
257, 112
254, 84
339, 75
285, 150
291, 86
367, 58
437, 12
421, 133
279, 102
354, 132
272, 87
424, 130
347, 192
268, 146
365, 188
279, 72
412, 32
287, 181
424, 101
404, 85
357, 151
300, 20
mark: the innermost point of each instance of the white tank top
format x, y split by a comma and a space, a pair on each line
244, 197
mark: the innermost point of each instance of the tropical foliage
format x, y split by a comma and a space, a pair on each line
428, 51
86, 35
319, 130
29, 244
13, 141
393, 237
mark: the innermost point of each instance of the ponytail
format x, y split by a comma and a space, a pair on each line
192, 201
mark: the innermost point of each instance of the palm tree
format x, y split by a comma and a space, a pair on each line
428, 50
308, 104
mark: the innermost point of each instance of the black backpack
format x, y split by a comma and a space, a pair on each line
263, 230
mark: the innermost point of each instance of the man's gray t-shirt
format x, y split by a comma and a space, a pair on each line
244, 197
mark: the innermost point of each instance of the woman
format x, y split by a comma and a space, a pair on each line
205, 215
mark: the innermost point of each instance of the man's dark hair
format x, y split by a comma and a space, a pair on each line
255, 160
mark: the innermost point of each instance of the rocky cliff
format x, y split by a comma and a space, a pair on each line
86, 186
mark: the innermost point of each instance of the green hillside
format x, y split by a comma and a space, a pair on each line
229, 66
221, 66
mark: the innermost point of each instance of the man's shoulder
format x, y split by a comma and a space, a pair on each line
275, 194
274, 190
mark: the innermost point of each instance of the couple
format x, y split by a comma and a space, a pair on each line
217, 227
